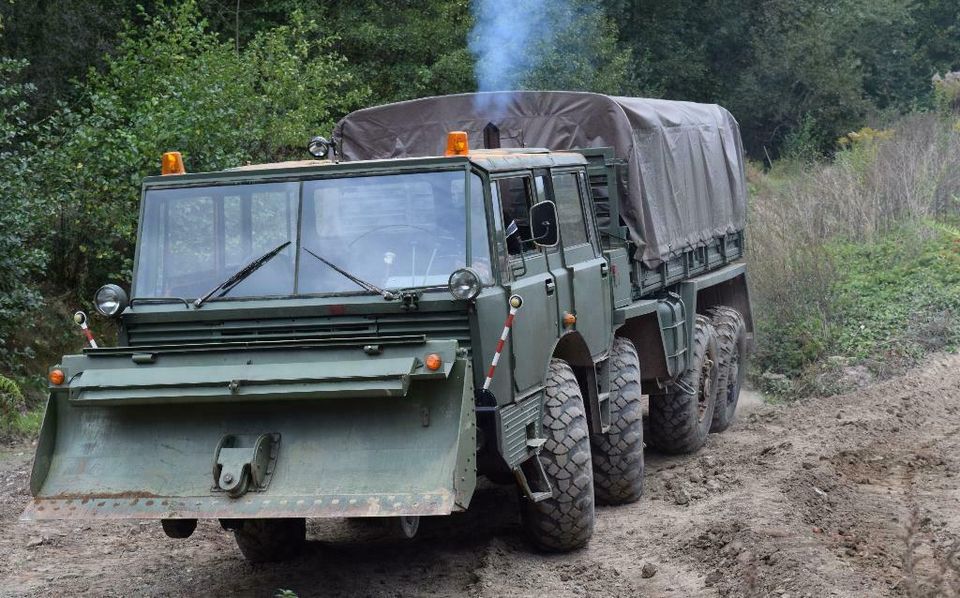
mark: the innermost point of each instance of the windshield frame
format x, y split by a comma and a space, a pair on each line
301, 178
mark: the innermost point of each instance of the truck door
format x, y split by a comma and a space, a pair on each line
587, 269
525, 273
554, 255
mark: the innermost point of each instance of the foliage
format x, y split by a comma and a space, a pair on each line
774, 63
899, 296
20, 210
11, 399
855, 263
865, 135
535, 44
60, 41
946, 92
583, 53
801, 145
400, 50
403, 50
779, 65
15, 419
172, 84
92, 93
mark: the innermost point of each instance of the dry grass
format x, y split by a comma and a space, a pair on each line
799, 208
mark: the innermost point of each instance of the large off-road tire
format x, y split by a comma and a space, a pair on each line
270, 540
732, 352
680, 421
618, 454
565, 520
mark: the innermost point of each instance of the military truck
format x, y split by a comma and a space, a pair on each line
462, 286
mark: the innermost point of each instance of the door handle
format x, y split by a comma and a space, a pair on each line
551, 286
604, 269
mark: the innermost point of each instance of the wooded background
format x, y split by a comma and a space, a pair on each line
91, 94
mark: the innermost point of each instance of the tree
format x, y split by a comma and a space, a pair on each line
174, 85
536, 44
21, 261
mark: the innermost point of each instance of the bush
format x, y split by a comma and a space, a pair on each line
20, 211
854, 262
946, 92
898, 295
173, 85
12, 403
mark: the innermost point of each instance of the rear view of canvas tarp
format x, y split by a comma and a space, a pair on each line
684, 161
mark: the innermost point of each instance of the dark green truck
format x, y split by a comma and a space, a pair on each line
317, 338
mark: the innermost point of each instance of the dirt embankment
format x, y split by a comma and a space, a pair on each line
857, 495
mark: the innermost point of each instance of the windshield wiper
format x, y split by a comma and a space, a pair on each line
227, 285
359, 281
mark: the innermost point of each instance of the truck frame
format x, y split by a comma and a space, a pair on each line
380, 358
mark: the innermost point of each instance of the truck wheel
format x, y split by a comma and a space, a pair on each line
269, 540
732, 351
565, 520
618, 454
680, 422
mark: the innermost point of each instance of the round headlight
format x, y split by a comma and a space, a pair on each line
110, 300
464, 284
319, 147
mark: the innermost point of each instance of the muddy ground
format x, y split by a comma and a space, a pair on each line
857, 495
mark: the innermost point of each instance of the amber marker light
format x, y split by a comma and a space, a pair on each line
457, 144
56, 376
433, 362
172, 163
569, 319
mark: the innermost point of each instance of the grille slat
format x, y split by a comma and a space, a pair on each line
435, 325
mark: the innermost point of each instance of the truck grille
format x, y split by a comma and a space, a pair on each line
435, 325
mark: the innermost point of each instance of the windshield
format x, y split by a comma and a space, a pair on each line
395, 231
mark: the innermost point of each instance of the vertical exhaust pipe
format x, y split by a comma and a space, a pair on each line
491, 136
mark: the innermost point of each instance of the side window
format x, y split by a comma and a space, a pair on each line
573, 222
515, 201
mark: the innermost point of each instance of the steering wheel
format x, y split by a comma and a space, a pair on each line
428, 236
379, 228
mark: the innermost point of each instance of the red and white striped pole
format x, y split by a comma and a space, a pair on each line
81, 319
515, 302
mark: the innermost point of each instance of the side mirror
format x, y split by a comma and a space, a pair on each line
543, 224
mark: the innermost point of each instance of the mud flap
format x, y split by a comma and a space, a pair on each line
335, 457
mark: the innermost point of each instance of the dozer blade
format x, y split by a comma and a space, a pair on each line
350, 456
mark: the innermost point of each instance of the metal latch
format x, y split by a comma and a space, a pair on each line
245, 463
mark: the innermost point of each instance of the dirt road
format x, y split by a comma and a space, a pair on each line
817, 499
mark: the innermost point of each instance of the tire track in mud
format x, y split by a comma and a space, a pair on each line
806, 500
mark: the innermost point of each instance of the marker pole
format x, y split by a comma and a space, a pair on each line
515, 302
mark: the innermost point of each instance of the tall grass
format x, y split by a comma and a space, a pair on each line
802, 210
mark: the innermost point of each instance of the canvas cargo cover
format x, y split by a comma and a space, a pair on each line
684, 182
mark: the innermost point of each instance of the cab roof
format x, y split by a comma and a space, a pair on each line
493, 161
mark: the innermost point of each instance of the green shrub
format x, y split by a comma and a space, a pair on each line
11, 400
854, 262
898, 296
21, 215
946, 92
173, 85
